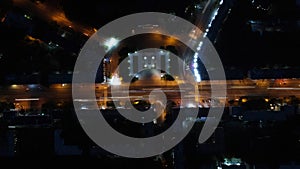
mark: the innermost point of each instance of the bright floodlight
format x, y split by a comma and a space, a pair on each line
111, 43
115, 80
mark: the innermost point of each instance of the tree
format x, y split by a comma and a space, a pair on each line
172, 49
123, 52
5, 5
4, 106
256, 103
168, 77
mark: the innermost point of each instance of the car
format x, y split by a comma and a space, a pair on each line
141, 105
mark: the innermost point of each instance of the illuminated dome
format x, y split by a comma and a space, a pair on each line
149, 75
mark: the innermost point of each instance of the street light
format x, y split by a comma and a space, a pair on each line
110, 43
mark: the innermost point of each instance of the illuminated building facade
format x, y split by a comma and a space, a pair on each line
148, 60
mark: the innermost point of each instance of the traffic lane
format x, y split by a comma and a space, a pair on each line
50, 12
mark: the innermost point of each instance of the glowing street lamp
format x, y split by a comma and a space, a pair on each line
110, 43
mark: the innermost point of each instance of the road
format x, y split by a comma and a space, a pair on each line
235, 89
50, 11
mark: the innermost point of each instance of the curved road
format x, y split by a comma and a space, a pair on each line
51, 11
